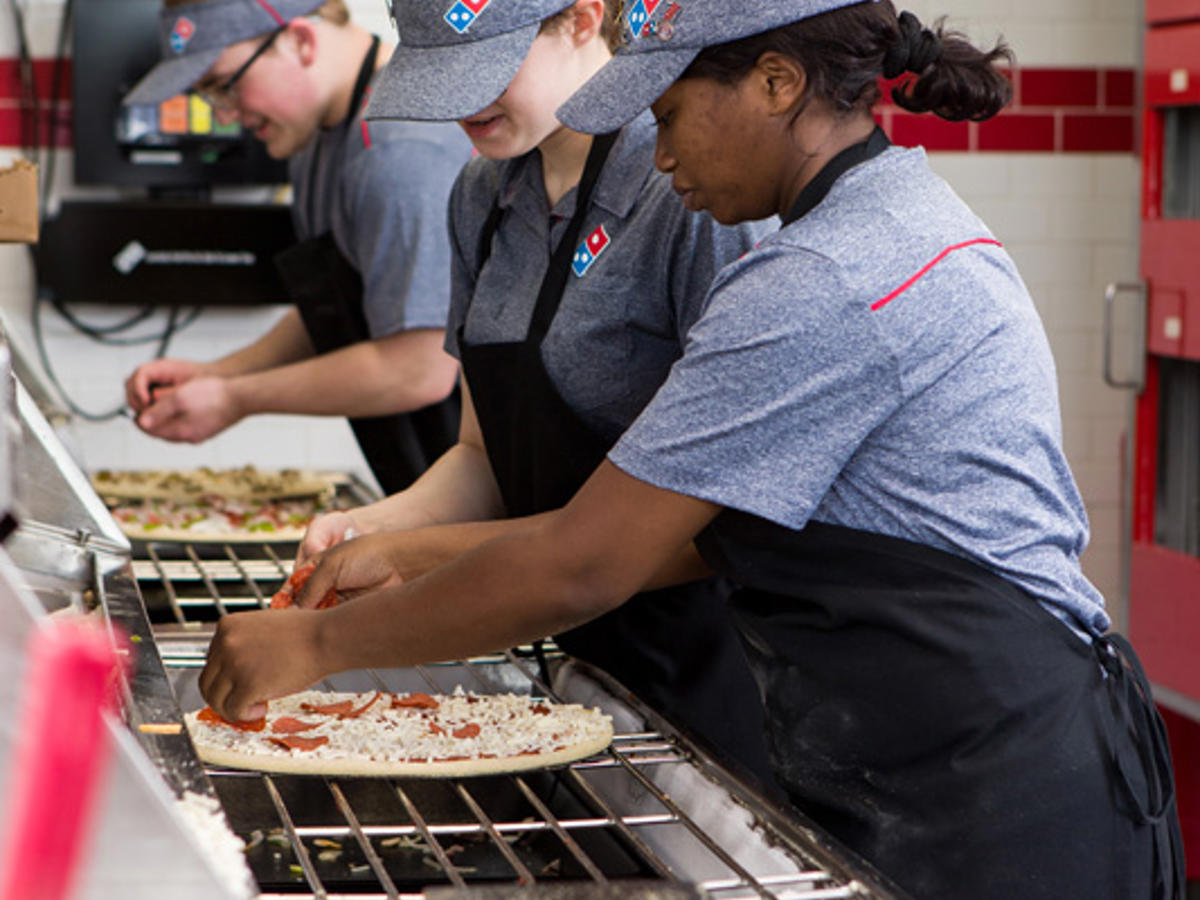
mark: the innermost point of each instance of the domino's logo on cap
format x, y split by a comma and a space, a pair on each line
641, 20
463, 13
587, 252
181, 33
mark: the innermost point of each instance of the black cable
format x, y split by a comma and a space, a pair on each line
100, 333
173, 325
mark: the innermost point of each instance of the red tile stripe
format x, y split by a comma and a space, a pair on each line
54, 117
884, 301
1053, 111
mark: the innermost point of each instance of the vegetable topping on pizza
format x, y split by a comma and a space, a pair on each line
417, 734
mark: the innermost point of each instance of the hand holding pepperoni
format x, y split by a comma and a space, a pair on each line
360, 566
287, 595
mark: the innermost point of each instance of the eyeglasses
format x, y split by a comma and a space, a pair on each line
223, 94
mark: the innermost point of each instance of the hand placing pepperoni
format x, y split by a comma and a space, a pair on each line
209, 715
287, 594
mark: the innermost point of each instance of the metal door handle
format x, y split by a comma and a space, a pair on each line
1111, 292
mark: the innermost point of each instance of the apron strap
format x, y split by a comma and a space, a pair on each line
365, 71
490, 226
555, 281
1133, 709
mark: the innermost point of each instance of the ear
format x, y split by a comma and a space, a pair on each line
589, 16
304, 39
782, 81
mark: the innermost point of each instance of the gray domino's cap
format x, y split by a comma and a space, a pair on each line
194, 35
660, 40
454, 57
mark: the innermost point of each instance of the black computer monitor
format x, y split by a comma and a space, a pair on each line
174, 145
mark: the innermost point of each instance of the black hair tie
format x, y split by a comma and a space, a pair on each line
915, 49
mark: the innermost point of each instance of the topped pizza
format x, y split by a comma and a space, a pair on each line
247, 483
416, 735
213, 518
246, 504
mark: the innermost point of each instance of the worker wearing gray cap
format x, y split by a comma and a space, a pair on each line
369, 275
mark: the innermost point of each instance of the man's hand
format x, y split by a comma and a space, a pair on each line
364, 565
142, 385
258, 656
192, 412
326, 531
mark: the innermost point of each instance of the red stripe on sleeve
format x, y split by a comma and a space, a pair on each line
884, 301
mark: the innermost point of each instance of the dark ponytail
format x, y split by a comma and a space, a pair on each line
845, 51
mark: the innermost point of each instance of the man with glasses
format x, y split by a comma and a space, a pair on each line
370, 275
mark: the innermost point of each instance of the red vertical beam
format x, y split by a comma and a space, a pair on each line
1152, 163
1145, 456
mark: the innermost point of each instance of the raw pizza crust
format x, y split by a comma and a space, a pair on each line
366, 746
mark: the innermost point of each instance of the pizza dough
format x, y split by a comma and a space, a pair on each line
413, 735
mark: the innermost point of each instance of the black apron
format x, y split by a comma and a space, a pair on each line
674, 648
938, 720
328, 292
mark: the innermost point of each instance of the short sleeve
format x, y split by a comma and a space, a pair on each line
782, 379
393, 230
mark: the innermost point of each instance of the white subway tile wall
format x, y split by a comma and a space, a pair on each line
1070, 221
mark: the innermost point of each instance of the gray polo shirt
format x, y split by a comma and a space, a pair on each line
631, 297
878, 364
382, 191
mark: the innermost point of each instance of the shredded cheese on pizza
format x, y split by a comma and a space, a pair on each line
403, 728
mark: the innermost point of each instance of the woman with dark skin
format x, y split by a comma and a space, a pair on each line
863, 434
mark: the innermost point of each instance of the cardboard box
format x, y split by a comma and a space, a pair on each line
18, 203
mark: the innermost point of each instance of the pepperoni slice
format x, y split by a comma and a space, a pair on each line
416, 700
435, 728
329, 709
288, 725
209, 715
469, 730
362, 709
287, 594
295, 742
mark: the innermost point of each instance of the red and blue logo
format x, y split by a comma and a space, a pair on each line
587, 252
463, 13
181, 33
641, 21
